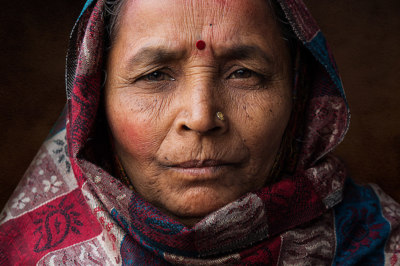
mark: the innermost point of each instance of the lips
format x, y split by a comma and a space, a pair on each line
201, 163
201, 170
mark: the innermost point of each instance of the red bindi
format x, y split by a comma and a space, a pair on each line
200, 44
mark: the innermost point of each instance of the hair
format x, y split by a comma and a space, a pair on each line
287, 33
112, 16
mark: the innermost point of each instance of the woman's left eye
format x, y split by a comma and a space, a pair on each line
242, 73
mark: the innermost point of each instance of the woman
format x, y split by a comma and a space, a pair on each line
198, 132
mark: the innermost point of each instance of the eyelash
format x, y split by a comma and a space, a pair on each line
243, 71
152, 78
239, 74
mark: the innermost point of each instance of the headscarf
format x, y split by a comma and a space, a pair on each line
71, 207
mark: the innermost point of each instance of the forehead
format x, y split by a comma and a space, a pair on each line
197, 9
180, 22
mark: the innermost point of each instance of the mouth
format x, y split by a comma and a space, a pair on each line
202, 169
201, 164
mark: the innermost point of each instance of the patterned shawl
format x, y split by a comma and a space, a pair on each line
70, 209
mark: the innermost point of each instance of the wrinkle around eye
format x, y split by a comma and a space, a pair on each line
156, 81
242, 74
244, 78
152, 81
156, 76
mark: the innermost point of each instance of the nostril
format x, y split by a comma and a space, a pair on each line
215, 129
210, 130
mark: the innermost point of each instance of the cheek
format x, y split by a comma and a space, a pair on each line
133, 131
134, 137
265, 123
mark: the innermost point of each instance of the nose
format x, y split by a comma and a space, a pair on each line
200, 104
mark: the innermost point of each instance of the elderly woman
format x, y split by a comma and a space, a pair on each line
198, 132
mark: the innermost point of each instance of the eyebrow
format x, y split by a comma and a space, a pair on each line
154, 55
243, 52
159, 55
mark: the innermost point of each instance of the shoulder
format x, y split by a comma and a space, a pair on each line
391, 212
47, 211
367, 224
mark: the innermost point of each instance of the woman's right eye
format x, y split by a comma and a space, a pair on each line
156, 76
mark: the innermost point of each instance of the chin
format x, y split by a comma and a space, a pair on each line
198, 203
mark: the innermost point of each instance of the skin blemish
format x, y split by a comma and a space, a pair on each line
200, 44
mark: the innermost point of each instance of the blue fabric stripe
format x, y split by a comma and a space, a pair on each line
87, 4
145, 241
361, 229
318, 48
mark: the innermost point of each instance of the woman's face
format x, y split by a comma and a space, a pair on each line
162, 96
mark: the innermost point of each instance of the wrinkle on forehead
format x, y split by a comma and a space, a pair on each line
206, 10
178, 24
198, 15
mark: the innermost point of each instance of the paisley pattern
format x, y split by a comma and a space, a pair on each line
54, 224
86, 253
310, 244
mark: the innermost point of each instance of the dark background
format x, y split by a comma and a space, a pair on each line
364, 36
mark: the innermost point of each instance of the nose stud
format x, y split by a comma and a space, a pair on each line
200, 44
220, 116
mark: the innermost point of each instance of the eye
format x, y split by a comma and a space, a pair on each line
245, 78
242, 73
156, 76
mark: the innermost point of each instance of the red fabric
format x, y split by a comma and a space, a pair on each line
63, 222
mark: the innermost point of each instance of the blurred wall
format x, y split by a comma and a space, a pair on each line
363, 35
33, 43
